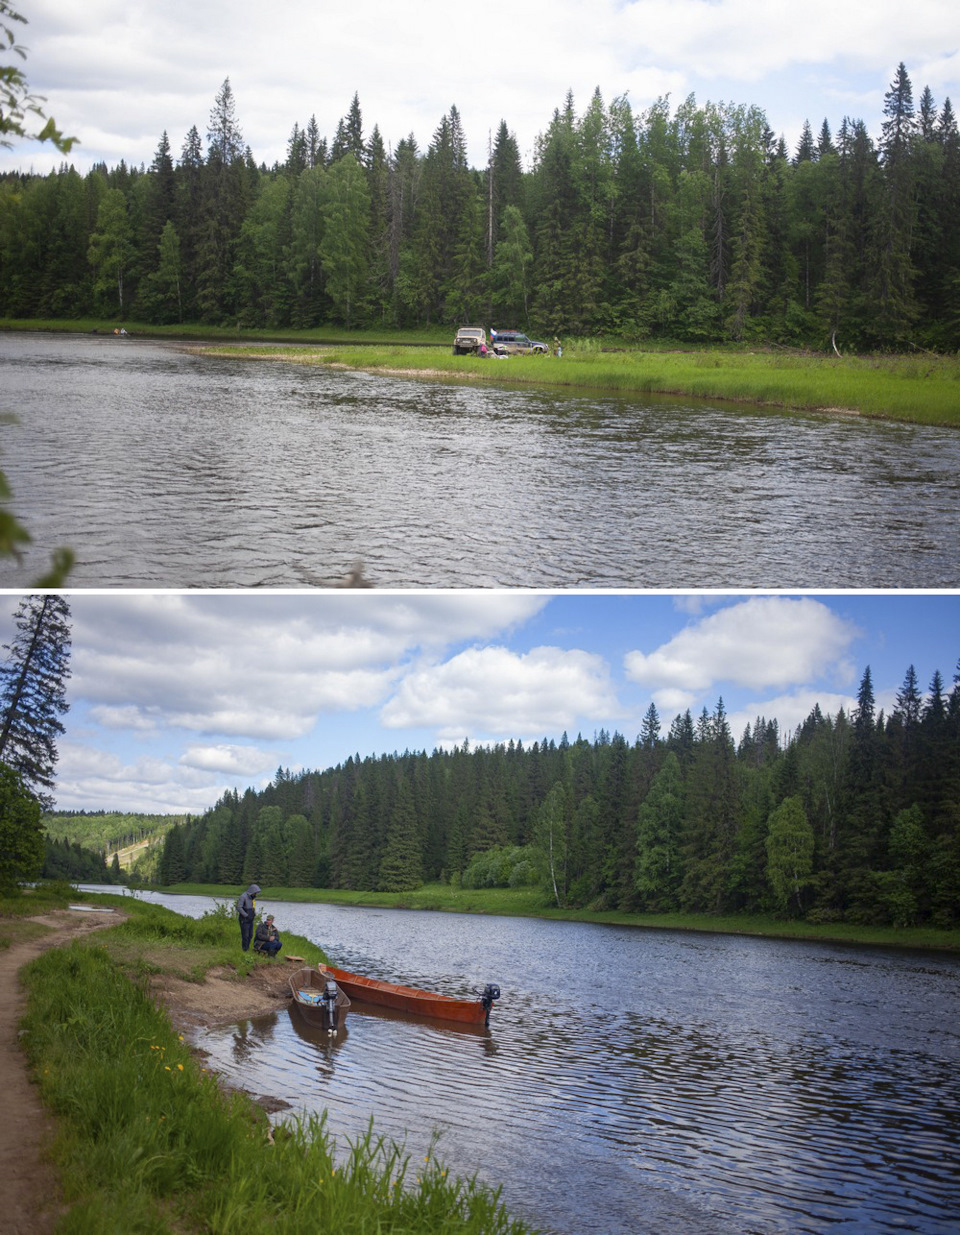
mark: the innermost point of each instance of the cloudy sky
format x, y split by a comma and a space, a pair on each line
118, 73
177, 697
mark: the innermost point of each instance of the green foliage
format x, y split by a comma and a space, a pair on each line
511, 274
21, 832
687, 225
550, 834
659, 830
18, 107
109, 251
790, 845
344, 247
13, 536
63, 860
512, 866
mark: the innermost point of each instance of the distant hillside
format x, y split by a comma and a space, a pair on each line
130, 836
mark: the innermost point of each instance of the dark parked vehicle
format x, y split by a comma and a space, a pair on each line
513, 343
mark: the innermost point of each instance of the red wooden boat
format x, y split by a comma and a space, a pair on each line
408, 999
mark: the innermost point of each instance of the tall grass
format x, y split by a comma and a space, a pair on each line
154, 937
922, 390
919, 387
149, 1143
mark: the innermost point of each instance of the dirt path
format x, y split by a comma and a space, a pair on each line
29, 1190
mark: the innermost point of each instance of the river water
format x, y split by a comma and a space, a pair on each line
162, 468
638, 1080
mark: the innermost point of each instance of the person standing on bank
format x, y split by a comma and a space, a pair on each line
246, 912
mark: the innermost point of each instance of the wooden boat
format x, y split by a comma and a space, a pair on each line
319, 999
409, 999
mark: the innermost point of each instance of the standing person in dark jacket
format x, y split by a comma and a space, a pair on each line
246, 912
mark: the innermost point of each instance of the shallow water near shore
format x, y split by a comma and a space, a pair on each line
637, 1080
162, 468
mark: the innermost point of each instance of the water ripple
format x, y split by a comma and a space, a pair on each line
168, 469
642, 1081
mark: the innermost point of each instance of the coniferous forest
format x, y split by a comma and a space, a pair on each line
852, 818
692, 223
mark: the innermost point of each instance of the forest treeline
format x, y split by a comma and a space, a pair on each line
693, 223
851, 818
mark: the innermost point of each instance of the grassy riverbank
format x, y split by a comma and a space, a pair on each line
920, 388
148, 1141
529, 902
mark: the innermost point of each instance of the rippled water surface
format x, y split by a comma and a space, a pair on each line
640, 1081
162, 468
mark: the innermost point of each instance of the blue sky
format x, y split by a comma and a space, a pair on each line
177, 697
117, 73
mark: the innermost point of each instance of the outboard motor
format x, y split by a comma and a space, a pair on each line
328, 1001
489, 993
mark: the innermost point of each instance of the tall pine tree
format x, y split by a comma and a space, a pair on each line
33, 692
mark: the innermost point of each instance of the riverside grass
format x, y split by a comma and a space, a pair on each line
924, 392
918, 390
916, 387
148, 1142
530, 902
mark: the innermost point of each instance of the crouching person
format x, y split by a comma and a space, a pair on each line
267, 939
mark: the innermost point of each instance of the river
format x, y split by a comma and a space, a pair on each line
638, 1081
162, 468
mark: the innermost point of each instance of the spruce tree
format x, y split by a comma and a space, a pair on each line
806, 150
33, 692
893, 286
659, 866
400, 868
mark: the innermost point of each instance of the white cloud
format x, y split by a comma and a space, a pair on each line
119, 74
751, 39
495, 691
125, 717
265, 667
228, 759
670, 701
789, 710
151, 784
761, 642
